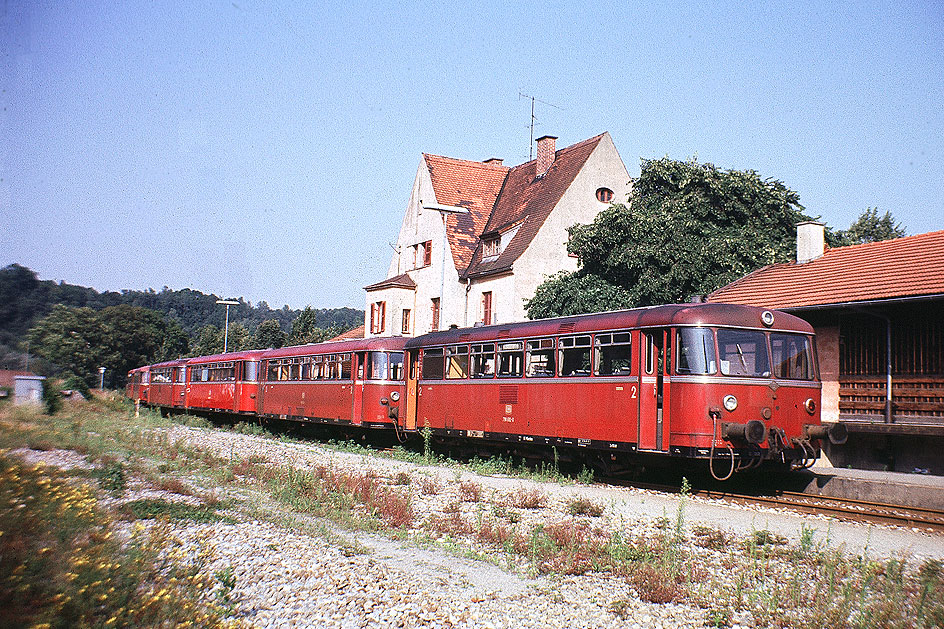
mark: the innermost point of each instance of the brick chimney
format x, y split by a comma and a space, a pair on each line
546, 149
811, 241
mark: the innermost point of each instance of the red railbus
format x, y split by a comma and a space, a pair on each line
136, 387
224, 383
356, 382
736, 385
167, 385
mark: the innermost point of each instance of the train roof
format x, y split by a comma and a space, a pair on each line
337, 347
250, 354
703, 314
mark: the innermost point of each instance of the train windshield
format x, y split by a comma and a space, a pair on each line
696, 351
377, 366
743, 353
792, 356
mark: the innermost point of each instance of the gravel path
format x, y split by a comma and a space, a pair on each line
288, 578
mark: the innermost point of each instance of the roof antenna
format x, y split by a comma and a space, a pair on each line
543, 102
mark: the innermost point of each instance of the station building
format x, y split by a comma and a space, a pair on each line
479, 237
878, 312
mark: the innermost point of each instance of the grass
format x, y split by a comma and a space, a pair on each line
776, 581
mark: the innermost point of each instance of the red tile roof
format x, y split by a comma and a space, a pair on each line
912, 266
356, 333
472, 185
528, 200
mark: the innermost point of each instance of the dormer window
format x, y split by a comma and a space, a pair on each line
491, 247
604, 195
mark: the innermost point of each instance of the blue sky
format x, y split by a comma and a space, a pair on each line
267, 150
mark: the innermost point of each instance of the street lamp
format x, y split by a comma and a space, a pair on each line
228, 303
101, 378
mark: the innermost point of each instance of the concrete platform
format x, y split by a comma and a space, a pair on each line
913, 490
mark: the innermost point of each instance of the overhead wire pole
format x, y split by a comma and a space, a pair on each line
543, 102
228, 302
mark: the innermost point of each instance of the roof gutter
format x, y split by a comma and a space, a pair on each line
854, 304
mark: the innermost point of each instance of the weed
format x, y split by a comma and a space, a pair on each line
156, 508
62, 565
112, 478
470, 491
584, 506
621, 607
430, 486
226, 583
586, 476
427, 433
402, 478
527, 499
708, 537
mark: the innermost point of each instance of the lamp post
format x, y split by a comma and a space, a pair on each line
228, 303
101, 378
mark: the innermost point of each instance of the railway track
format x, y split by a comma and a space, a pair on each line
846, 509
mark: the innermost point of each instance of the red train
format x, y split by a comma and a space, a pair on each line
736, 386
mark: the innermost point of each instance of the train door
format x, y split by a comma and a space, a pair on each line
180, 387
654, 363
412, 376
359, 373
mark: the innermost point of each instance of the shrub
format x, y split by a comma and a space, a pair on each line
52, 400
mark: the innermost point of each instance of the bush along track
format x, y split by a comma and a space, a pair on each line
100, 546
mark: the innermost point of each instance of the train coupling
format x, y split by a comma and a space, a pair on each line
836, 433
754, 431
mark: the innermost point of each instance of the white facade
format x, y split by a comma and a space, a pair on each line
461, 294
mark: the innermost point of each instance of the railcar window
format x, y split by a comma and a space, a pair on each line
457, 362
346, 366
181, 374
613, 356
432, 364
791, 356
510, 359
396, 366
483, 360
574, 356
377, 366
743, 353
540, 358
161, 376
696, 351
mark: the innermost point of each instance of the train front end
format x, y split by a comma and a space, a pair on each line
746, 391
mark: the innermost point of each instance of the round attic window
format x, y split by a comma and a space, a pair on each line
604, 195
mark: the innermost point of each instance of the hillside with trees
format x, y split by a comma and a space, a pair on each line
73, 329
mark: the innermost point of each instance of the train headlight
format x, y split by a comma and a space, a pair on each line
767, 318
730, 403
395, 396
810, 405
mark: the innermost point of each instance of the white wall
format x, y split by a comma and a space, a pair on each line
547, 253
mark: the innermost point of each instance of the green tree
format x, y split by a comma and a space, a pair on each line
238, 338
304, 328
209, 341
269, 334
685, 230
120, 338
869, 227
70, 338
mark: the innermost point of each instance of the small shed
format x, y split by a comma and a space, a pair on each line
28, 389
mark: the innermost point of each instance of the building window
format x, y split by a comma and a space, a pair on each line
604, 195
435, 325
487, 308
490, 247
405, 327
377, 316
